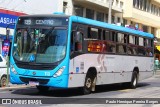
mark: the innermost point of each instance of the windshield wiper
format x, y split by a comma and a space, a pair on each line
50, 30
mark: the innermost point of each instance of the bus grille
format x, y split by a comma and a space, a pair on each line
41, 81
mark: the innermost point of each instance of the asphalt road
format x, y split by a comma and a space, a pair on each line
149, 88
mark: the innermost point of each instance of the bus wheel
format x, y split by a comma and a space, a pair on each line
3, 81
89, 84
42, 88
134, 80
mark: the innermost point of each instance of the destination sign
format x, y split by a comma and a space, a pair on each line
43, 21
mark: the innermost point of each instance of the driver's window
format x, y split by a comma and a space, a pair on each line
76, 41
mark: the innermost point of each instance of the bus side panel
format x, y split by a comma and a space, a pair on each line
76, 75
110, 68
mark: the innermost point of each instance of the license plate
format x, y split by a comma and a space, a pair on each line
33, 83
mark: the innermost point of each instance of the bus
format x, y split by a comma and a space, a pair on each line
71, 51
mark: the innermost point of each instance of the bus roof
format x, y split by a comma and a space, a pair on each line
96, 23
110, 26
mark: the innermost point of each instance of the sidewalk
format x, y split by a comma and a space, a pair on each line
157, 72
14, 86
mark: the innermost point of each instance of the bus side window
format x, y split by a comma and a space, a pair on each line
77, 41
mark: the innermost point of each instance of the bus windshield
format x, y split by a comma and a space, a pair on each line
40, 44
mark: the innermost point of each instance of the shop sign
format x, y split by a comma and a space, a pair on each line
7, 20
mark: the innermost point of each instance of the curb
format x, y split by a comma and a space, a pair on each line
11, 87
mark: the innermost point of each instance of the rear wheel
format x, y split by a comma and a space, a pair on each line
3, 81
42, 88
134, 80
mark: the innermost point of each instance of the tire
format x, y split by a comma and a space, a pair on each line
88, 84
134, 80
3, 81
42, 88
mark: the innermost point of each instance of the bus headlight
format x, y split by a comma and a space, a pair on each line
59, 72
13, 69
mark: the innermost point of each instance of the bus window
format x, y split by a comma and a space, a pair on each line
149, 52
121, 49
141, 41
131, 50
120, 37
100, 34
106, 35
93, 33
113, 36
141, 51
111, 48
132, 39
78, 41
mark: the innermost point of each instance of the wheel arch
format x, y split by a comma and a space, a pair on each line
92, 70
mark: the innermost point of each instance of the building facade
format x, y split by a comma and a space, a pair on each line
144, 14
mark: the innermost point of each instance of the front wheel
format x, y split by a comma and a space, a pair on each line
42, 88
89, 84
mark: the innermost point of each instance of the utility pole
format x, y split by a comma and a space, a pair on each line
110, 12
7, 40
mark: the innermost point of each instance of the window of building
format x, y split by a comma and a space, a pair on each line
152, 8
124, 22
141, 4
100, 16
121, 4
152, 30
144, 5
113, 19
118, 20
64, 6
78, 11
89, 13
157, 10
145, 28
106, 17
134, 3
138, 3
117, 1
148, 6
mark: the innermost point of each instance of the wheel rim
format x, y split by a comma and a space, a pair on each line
3, 82
88, 82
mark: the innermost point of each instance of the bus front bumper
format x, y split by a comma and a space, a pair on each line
61, 81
